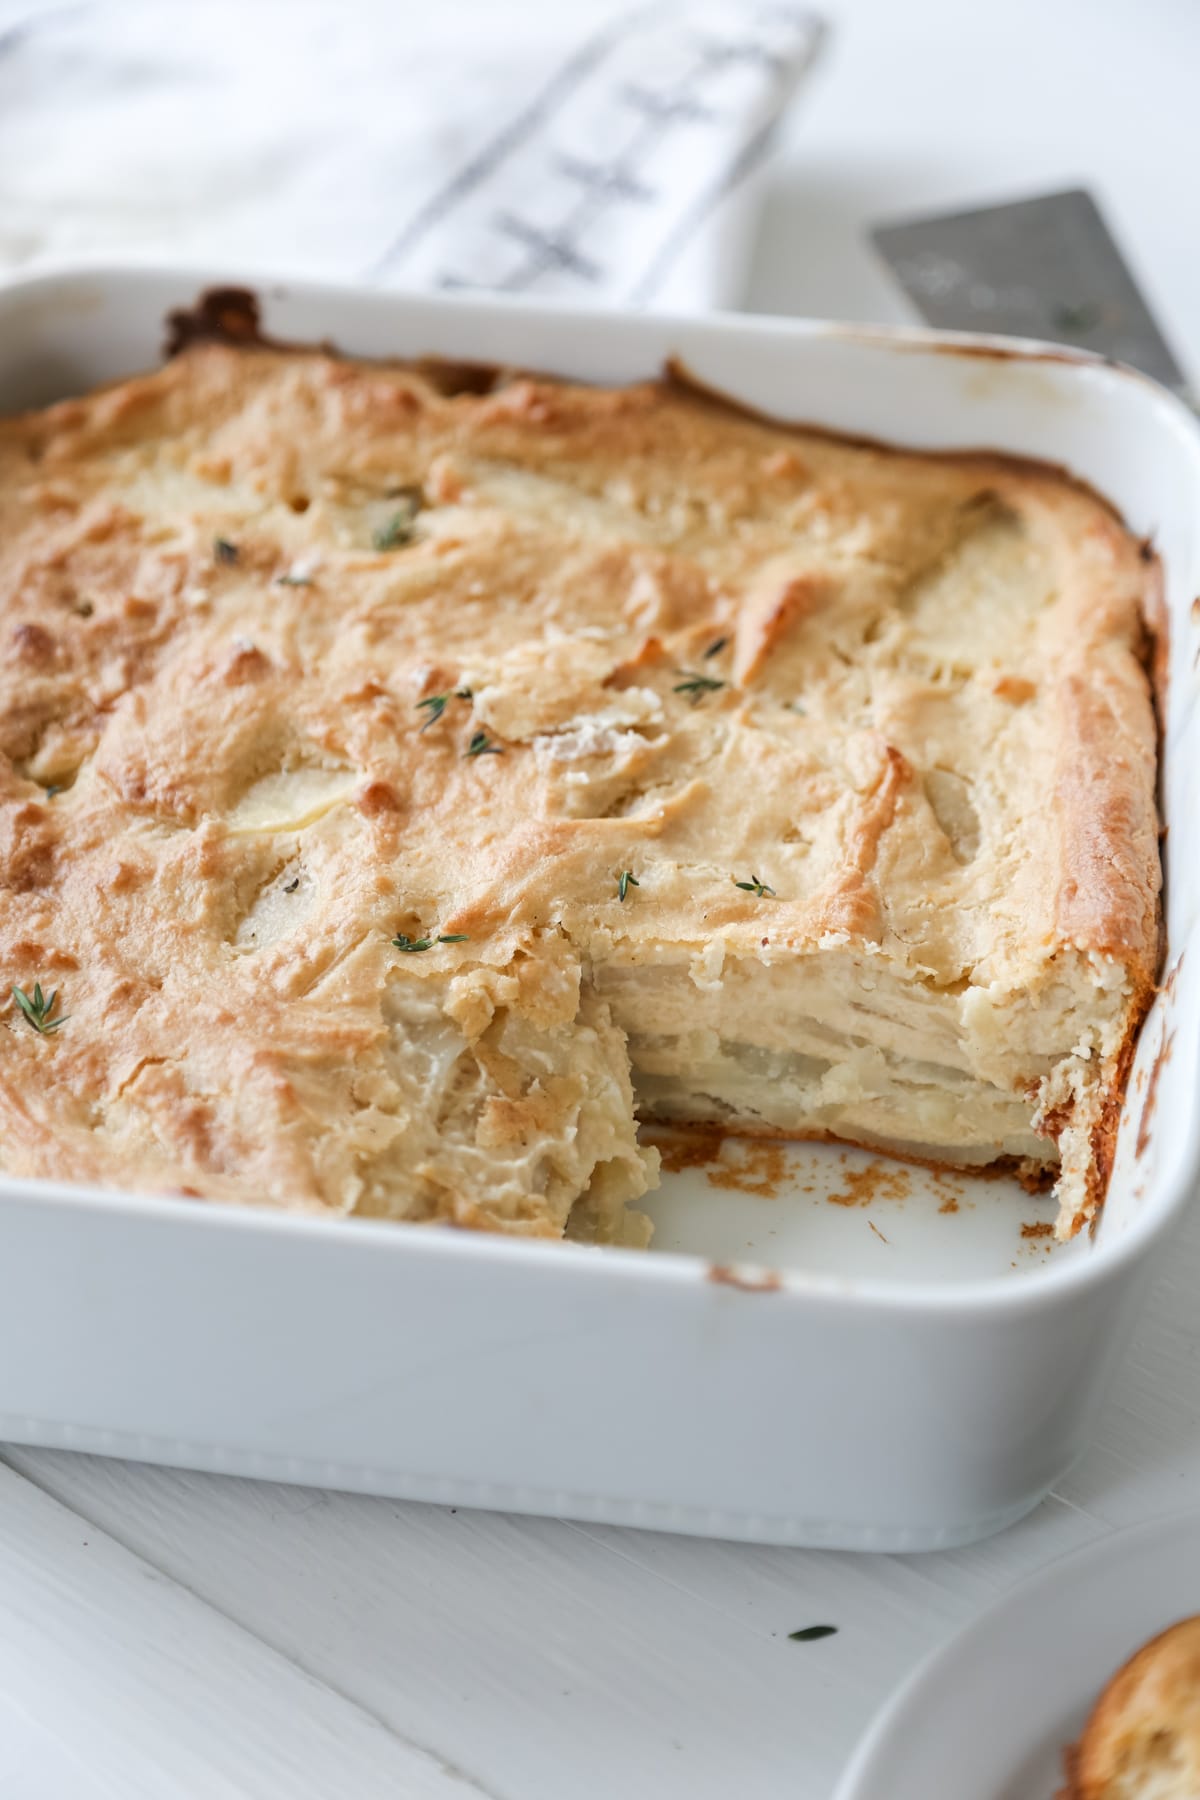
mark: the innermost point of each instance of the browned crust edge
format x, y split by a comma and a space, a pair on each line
1155, 660
1104, 1132
987, 461
1033, 1178
233, 316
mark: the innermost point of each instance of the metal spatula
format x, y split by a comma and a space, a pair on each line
1041, 268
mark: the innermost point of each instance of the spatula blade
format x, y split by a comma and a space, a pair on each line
1041, 268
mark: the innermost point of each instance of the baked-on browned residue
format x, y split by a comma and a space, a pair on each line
691, 1150
1037, 1228
221, 315
761, 1168
946, 1185
875, 1182
1156, 1068
749, 1281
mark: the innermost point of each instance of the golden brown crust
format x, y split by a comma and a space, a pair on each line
671, 641
1144, 1735
1035, 1178
1107, 898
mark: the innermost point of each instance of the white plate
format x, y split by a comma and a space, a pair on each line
987, 1716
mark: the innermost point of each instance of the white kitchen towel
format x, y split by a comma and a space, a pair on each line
563, 150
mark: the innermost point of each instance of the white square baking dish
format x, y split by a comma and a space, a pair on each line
777, 1369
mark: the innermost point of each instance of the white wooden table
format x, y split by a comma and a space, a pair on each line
164, 1634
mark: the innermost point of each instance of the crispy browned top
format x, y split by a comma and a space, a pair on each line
904, 693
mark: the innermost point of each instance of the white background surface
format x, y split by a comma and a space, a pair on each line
164, 1634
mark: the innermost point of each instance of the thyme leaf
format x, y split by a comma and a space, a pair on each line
480, 745
397, 532
753, 886
401, 527
224, 551
401, 942
39, 1008
435, 705
625, 880
695, 685
811, 1633
716, 647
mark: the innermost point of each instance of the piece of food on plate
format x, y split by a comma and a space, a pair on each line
409, 775
1142, 1742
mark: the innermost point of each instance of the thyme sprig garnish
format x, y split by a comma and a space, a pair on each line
39, 1008
695, 685
409, 945
753, 886
625, 880
481, 745
435, 705
716, 647
401, 527
224, 551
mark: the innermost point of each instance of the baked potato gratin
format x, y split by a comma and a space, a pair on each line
409, 774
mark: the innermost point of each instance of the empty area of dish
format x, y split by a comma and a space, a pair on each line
747, 1203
